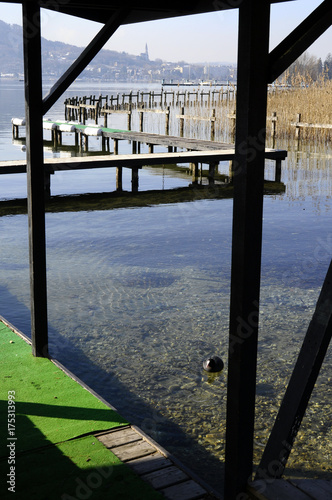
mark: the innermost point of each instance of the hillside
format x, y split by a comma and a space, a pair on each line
108, 65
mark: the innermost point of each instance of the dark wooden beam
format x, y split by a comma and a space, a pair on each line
84, 59
147, 10
299, 40
35, 176
248, 179
300, 386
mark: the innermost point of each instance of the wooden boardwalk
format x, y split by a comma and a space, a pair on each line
196, 151
155, 465
171, 142
291, 489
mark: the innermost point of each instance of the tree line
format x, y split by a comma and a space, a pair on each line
308, 68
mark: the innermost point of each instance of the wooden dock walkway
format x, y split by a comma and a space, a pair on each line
154, 466
66, 440
196, 151
291, 489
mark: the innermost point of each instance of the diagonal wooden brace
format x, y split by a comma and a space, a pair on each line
84, 59
300, 386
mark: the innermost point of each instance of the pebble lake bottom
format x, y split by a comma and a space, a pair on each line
139, 297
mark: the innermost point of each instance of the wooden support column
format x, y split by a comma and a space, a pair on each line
194, 172
277, 175
129, 118
212, 168
181, 122
119, 178
140, 121
167, 115
134, 179
248, 180
35, 177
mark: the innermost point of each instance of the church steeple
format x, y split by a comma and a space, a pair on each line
145, 55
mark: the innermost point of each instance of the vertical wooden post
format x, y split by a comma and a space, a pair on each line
298, 129
181, 122
167, 113
194, 172
129, 118
274, 125
35, 177
233, 125
277, 175
213, 121
212, 167
47, 184
119, 178
134, 179
141, 121
248, 181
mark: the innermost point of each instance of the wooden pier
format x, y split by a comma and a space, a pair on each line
291, 489
197, 151
257, 67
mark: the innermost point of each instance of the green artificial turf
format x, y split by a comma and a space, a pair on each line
80, 126
79, 469
44, 447
56, 405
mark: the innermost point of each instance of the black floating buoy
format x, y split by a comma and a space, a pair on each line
213, 364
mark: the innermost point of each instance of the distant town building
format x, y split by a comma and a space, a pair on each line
145, 55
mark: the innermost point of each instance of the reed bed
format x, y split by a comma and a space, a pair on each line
312, 100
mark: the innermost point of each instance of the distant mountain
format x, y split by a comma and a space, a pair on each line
11, 49
108, 65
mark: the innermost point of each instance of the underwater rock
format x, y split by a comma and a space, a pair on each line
213, 364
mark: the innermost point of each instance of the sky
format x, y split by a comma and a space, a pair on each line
204, 38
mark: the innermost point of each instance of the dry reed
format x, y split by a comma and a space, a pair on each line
313, 100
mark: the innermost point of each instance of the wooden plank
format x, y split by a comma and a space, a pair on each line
134, 450
119, 437
188, 490
311, 125
278, 489
248, 181
129, 161
35, 177
179, 142
150, 463
300, 386
319, 489
165, 477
